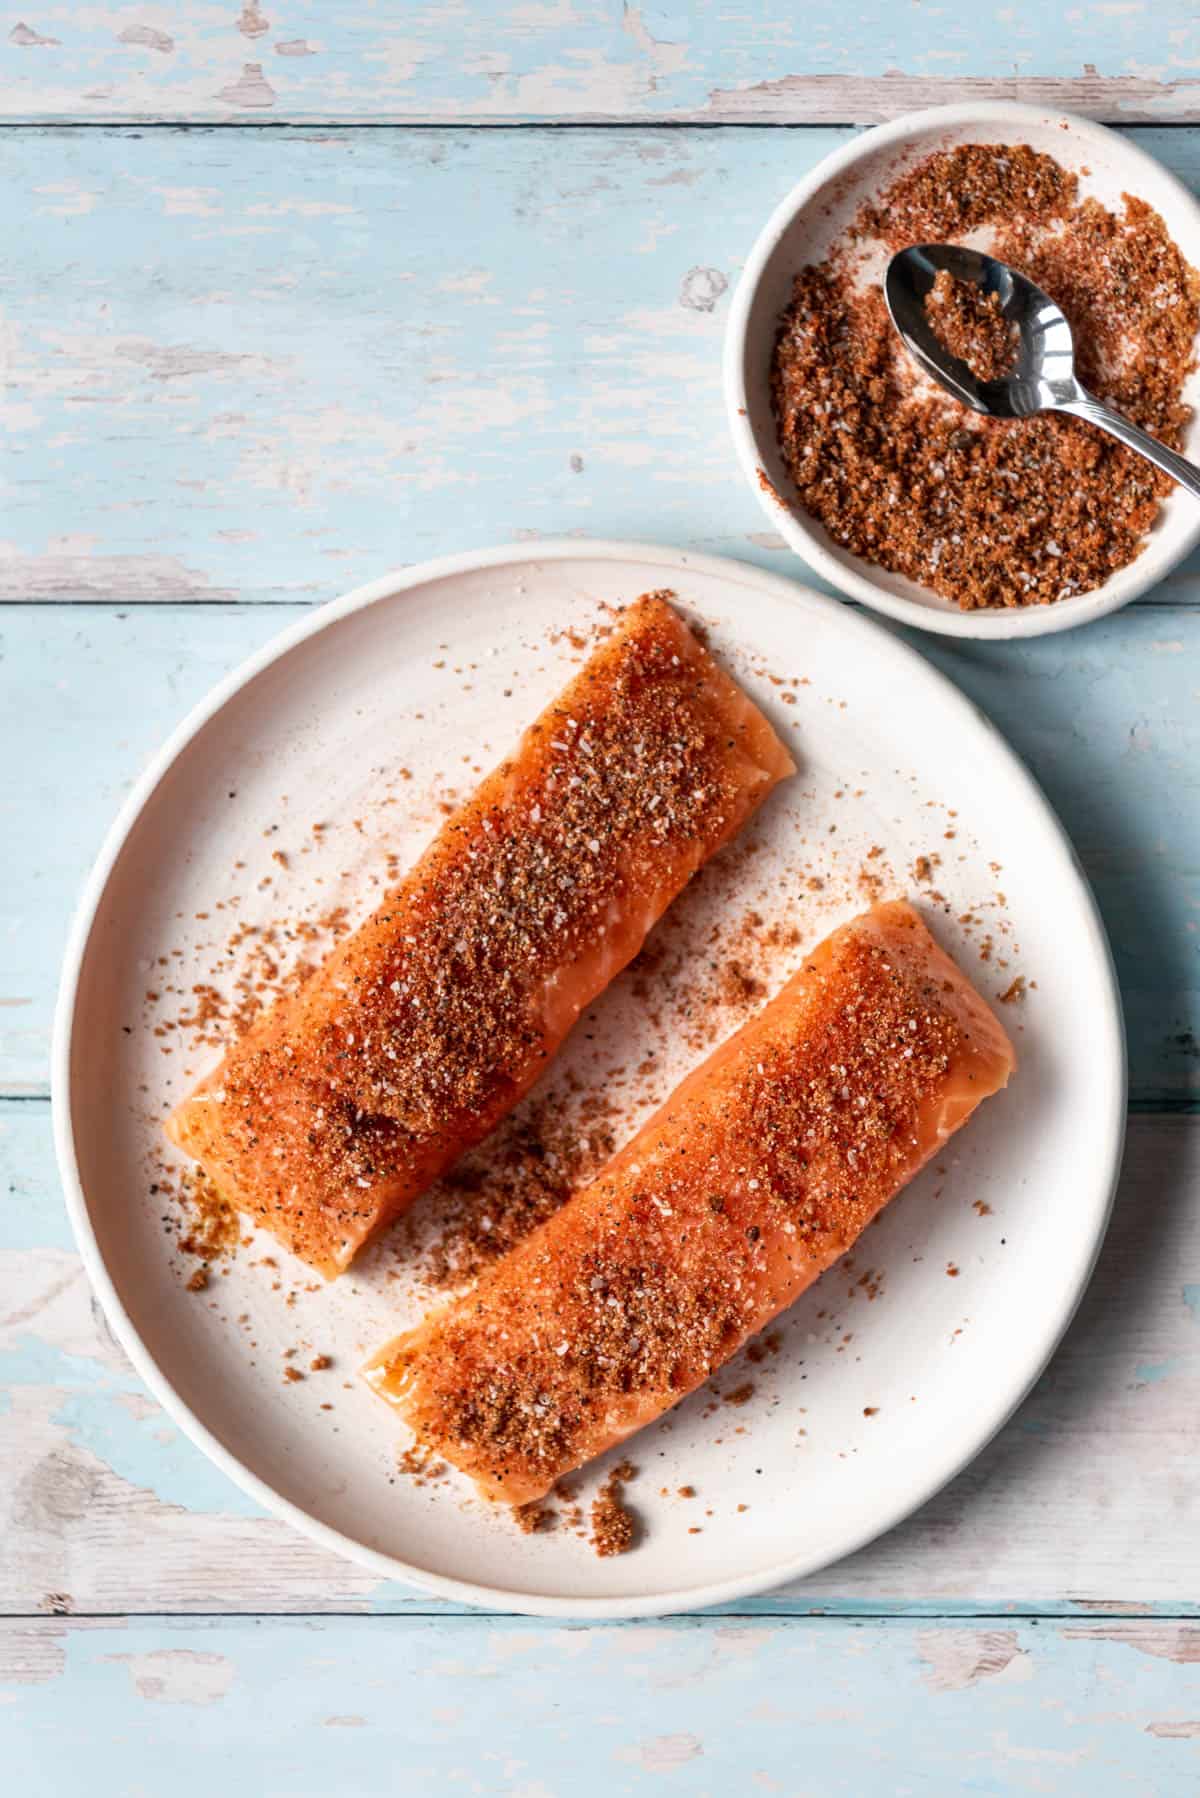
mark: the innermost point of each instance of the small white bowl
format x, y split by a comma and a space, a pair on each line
802, 229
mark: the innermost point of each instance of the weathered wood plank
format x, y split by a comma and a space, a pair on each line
1106, 717
269, 365
1087, 1499
588, 59
370, 1705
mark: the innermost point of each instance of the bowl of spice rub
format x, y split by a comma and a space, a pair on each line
884, 483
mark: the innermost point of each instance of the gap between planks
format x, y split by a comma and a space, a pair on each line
770, 1611
802, 575
1116, 121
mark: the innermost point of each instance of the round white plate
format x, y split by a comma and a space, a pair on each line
802, 229
435, 671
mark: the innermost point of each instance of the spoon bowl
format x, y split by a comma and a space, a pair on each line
1043, 373
1042, 377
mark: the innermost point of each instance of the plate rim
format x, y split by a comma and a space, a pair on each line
806, 538
915, 1492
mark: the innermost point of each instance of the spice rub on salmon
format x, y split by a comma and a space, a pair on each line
756, 1175
429, 1023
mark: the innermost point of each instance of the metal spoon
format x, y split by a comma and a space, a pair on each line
1042, 378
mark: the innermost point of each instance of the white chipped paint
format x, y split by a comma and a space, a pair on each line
30, 1655
565, 59
66, 199
58, 575
958, 1658
662, 1754
815, 99
178, 1675
147, 37
1178, 1642
26, 38
250, 92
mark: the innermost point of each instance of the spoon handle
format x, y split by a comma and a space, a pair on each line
1177, 466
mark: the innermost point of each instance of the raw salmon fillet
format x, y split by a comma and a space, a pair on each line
756, 1175
429, 1023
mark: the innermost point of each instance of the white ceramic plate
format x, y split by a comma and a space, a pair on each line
435, 670
801, 230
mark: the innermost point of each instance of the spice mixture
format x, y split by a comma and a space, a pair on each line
970, 324
614, 1529
988, 512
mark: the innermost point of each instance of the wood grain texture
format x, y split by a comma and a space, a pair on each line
262, 365
1086, 1499
588, 59
1106, 717
366, 1707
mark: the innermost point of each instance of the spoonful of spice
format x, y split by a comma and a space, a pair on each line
999, 344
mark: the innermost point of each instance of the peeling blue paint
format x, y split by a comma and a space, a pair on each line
315, 1707
1149, 1373
552, 61
151, 1453
33, 1362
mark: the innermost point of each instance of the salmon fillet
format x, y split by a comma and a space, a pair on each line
756, 1175
423, 1028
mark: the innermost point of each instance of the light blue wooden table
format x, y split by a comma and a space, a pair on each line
292, 296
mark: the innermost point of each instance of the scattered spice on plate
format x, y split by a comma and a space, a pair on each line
558, 1139
1013, 992
534, 1519
498, 1193
213, 1228
421, 1464
988, 512
971, 325
614, 1528
760, 1347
